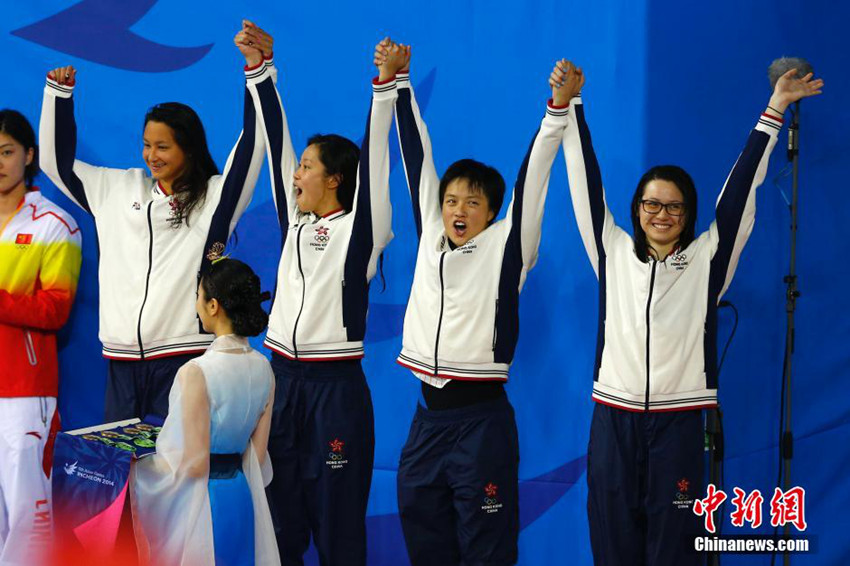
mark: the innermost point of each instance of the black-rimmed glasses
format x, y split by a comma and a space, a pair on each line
654, 207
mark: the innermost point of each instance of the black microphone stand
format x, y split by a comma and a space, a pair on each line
786, 445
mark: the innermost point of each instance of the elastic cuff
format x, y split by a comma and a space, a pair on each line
258, 73
63, 91
769, 124
553, 106
384, 90
255, 67
269, 58
377, 82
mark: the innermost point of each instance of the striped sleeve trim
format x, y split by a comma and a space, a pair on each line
60, 90
402, 80
558, 111
257, 73
771, 121
383, 87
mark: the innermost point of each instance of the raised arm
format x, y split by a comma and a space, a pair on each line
525, 212
282, 158
239, 177
595, 222
373, 213
84, 184
736, 204
422, 179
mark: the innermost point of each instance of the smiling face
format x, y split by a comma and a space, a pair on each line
165, 159
315, 190
14, 159
662, 229
466, 211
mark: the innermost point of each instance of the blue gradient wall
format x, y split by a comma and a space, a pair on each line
666, 83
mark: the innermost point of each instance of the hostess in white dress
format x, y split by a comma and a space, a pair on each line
198, 504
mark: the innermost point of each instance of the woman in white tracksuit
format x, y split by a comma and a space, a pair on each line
656, 366
156, 229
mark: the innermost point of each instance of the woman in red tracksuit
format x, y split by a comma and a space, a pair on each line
39, 266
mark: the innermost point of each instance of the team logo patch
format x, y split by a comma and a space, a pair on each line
175, 216
23, 240
683, 498
321, 237
336, 457
679, 261
491, 498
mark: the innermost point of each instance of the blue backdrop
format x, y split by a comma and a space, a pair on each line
667, 82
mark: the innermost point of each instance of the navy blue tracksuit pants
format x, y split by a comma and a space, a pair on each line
138, 388
644, 471
458, 486
322, 446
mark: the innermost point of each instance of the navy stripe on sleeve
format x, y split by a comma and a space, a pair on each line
411, 150
597, 217
65, 131
355, 293
730, 211
273, 119
234, 182
507, 313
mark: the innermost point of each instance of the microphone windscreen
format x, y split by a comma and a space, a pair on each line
784, 64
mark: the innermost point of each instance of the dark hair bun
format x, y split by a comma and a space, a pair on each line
237, 289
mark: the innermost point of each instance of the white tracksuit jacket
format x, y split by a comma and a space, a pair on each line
150, 258
462, 319
656, 343
326, 263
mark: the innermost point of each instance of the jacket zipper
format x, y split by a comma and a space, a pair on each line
495, 325
147, 283
344, 321
33, 359
440, 319
648, 304
303, 290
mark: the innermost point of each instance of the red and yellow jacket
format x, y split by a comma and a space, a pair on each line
39, 265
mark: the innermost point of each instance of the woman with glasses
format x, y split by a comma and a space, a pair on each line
157, 228
656, 367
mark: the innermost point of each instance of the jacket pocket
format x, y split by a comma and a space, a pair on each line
30, 348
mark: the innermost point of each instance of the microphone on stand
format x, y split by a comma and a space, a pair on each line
778, 68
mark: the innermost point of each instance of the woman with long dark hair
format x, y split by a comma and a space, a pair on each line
156, 228
200, 499
656, 361
39, 267
334, 212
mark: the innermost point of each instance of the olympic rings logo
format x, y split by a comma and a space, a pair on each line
490, 500
322, 238
335, 457
679, 257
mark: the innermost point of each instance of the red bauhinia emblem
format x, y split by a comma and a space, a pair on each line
336, 445
322, 231
490, 489
683, 485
